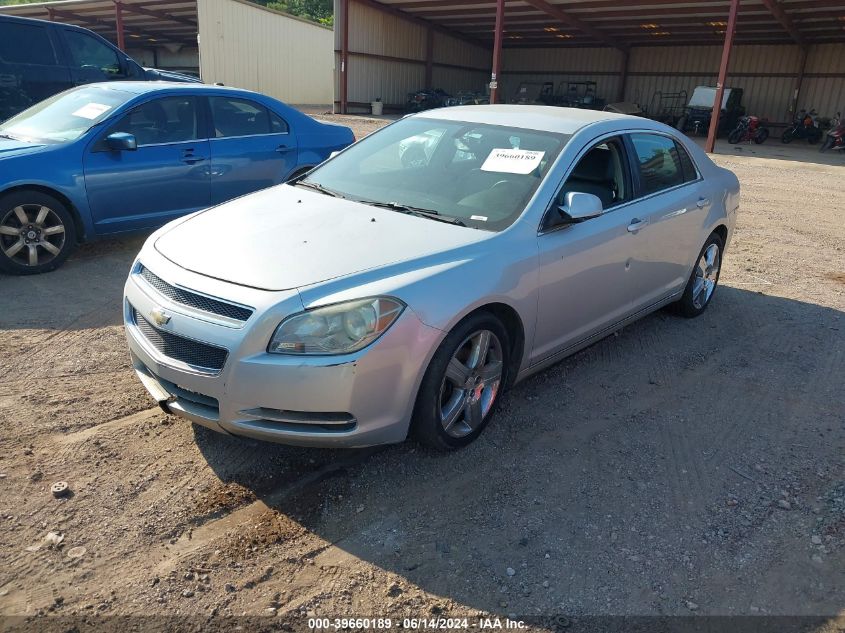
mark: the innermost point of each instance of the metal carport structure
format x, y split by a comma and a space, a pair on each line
777, 36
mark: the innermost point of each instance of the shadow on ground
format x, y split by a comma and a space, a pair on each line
647, 474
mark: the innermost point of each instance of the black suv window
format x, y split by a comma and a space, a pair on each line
658, 161
26, 44
89, 52
240, 117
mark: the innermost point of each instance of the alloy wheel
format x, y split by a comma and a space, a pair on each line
471, 383
31, 234
706, 276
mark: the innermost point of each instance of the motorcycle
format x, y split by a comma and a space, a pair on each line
804, 126
426, 99
748, 128
836, 135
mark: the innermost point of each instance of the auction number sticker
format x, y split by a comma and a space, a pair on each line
513, 161
92, 110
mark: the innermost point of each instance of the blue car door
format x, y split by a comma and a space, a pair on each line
251, 147
167, 176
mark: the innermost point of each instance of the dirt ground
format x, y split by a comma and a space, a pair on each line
676, 468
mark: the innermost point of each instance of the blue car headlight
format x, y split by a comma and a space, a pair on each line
341, 328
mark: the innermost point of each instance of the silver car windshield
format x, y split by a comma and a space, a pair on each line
66, 116
472, 174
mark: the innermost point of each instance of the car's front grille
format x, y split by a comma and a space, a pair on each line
188, 351
193, 299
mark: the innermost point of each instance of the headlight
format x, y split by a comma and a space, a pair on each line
336, 329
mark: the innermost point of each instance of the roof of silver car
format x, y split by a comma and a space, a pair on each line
534, 117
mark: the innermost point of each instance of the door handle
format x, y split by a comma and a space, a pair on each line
190, 159
702, 202
636, 224
282, 148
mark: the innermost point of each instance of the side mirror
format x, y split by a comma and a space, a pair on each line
121, 142
579, 206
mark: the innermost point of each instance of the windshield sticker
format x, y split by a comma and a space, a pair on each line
480, 218
512, 161
92, 110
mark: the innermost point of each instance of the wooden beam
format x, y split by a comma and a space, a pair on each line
723, 75
496, 73
776, 10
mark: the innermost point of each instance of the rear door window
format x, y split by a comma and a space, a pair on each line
659, 165
26, 44
240, 117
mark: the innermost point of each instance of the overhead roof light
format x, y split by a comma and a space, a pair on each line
649, 26
716, 23
551, 29
564, 36
152, 39
134, 35
661, 33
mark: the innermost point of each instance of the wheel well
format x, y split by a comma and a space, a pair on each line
74, 212
722, 231
513, 324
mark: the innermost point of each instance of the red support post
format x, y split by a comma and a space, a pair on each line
429, 59
497, 51
344, 57
118, 21
723, 74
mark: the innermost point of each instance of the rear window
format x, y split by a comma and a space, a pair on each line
26, 44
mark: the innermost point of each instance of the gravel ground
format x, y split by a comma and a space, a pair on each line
676, 468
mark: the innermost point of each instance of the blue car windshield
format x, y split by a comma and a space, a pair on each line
65, 116
474, 174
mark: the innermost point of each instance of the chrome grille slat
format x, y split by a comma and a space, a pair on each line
193, 299
179, 348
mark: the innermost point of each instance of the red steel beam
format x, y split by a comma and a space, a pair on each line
497, 51
574, 22
344, 56
776, 10
160, 15
723, 75
118, 26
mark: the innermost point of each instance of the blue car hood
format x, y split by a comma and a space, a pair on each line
10, 148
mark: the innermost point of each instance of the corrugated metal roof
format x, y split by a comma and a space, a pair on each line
144, 21
643, 23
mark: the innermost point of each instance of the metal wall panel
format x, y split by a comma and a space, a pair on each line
247, 46
377, 32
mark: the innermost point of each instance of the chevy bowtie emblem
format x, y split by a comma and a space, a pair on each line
159, 316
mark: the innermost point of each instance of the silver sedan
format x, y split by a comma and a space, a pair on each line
378, 297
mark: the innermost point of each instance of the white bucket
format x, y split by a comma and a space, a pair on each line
378, 107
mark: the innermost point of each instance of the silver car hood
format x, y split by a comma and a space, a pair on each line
287, 237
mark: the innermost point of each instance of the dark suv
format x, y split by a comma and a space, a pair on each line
40, 58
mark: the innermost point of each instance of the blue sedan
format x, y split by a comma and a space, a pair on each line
111, 158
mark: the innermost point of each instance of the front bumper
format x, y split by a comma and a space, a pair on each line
353, 400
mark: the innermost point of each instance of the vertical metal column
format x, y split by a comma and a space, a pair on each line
497, 51
723, 73
118, 21
429, 59
344, 57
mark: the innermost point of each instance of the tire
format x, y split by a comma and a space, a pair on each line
692, 303
786, 137
37, 233
734, 137
761, 136
472, 405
